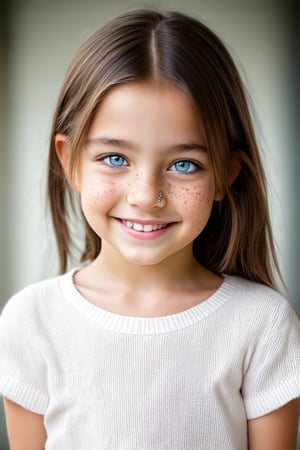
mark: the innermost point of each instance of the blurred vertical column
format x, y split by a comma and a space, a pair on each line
6, 181
4, 106
294, 155
4, 266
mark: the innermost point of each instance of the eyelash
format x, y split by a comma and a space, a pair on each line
110, 155
197, 165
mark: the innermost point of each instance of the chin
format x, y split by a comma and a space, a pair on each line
138, 260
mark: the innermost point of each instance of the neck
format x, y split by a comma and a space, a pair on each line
180, 271
172, 285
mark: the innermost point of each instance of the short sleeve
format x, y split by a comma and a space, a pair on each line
272, 377
23, 372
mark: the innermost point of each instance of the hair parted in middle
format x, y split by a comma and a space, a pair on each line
143, 45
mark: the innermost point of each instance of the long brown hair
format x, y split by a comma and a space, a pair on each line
144, 44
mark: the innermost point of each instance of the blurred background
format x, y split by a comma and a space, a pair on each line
38, 39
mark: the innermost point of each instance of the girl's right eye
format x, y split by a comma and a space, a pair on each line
113, 160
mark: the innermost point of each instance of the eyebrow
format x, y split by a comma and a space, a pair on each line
113, 142
122, 143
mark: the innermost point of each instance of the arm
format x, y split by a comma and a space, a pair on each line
277, 430
25, 429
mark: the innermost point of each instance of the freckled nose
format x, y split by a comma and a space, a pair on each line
144, 193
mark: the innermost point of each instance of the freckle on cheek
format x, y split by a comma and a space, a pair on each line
100, 190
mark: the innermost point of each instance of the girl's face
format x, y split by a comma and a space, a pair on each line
145, 139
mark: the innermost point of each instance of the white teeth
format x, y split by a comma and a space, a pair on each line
148, 228
137, 226
145, 228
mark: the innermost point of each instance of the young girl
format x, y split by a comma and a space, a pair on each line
171, 336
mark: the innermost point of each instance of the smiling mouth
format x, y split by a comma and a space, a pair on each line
146, 228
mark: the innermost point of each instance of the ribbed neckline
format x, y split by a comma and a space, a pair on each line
146, 325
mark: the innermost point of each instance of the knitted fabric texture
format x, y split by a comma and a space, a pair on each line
185, 381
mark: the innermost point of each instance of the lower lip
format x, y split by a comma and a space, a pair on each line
145, 235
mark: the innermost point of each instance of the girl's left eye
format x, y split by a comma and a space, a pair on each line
114, 160
184, 166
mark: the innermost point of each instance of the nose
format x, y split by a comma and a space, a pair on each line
146, 192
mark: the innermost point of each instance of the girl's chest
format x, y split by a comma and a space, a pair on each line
163, 391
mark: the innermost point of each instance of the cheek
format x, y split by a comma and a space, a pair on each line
97, 193
193, 200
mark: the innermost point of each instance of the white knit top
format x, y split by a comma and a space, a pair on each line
185, 381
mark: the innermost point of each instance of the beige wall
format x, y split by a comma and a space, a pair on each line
43, 37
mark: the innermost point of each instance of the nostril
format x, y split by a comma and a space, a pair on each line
145, 197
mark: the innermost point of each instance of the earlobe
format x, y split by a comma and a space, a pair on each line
63, 152
234, 170
219, 196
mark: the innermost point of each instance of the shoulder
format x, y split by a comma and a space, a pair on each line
252, 298
254, 290
33, 301
258, 312
270, 332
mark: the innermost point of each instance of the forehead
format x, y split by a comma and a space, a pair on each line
149, 109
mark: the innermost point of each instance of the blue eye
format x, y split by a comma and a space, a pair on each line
115, 160
184, 166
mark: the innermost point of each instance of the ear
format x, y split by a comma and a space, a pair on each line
234, 168
64, 152
233, 172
